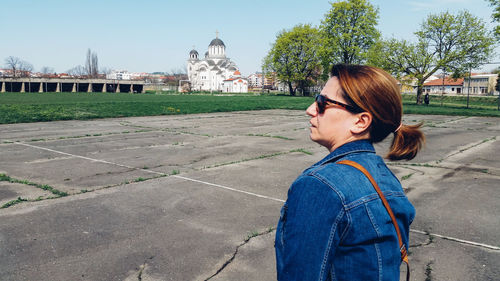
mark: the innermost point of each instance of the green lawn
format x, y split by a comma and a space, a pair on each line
35, 107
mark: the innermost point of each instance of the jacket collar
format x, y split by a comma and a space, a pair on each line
347, 148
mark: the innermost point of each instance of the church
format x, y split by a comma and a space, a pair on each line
215, 72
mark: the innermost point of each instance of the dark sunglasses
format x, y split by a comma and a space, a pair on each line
323, 101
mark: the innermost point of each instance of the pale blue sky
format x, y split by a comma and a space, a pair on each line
154, 35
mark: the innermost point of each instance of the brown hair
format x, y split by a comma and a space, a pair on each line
375, 91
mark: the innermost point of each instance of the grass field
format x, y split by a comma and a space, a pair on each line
35, 107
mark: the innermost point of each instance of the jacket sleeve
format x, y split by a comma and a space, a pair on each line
311, 230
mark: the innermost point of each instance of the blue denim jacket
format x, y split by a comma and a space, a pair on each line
333, 225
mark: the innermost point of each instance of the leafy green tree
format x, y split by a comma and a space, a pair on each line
348, 32
452, 43
496, 15
294, 57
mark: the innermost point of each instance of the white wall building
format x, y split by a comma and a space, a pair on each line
255, 80
236, 84
210, 73
118, 75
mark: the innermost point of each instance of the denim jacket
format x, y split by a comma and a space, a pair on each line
333, 226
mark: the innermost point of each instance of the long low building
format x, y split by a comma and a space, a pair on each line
42, 85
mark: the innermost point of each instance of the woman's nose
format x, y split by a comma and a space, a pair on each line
312, 110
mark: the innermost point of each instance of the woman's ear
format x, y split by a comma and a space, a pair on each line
362, 123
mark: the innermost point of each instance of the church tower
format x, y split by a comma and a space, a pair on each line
217, 49
193, 55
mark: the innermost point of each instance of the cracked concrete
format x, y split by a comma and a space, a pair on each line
226, 264
194, 227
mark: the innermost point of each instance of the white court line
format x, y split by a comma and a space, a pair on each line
242, 191
457, 240
87, 158
150, 171
232, 189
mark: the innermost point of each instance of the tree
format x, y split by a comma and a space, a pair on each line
46, 70
77, 71
25, 69
496, 16
452, 43
91, 64
348, 32
294, 57
175, 75
13, 63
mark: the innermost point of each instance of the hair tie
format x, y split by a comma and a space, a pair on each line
400, 124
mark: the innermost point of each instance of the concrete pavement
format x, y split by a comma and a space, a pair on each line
197, 197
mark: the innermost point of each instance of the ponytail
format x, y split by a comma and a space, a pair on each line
408, 140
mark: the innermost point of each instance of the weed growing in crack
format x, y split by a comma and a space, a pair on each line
84, 191
302, 150
251, 235
139, 179
269, 136
246, 159
406, 177
13, 202
4, 177
428, 271
175, 172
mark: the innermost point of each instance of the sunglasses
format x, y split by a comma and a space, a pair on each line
322, 102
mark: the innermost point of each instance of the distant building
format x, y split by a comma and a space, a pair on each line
448, 86
480, 84
214, 72
119, 75
255, 80
235, 84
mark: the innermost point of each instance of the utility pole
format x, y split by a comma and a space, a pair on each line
468, 88
442, 93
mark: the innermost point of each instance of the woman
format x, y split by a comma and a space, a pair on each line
333, 225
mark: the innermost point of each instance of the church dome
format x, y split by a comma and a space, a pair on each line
193, 52
237, 73
217, 42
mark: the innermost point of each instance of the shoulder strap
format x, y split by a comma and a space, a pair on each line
402, 248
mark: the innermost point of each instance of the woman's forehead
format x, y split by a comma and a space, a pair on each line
332, 88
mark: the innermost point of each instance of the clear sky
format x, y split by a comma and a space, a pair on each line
157, 35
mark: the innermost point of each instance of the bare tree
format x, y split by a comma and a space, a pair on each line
77, 71
25, 69
175, 75
47, 70
92, 64
13, 63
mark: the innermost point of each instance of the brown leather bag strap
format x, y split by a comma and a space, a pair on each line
402, 248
